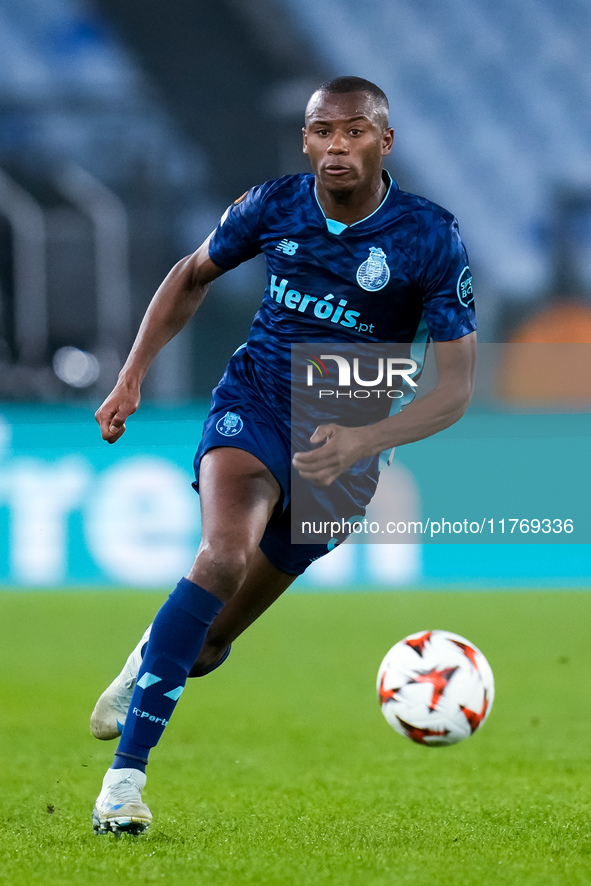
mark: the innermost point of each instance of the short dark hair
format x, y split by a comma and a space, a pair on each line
340, 85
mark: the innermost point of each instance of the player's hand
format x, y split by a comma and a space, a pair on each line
340, 448
114, 412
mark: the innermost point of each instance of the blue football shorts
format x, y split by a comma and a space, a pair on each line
241, 417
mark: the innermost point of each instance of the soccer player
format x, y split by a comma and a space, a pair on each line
351, 258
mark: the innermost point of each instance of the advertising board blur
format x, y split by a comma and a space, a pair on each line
77, 512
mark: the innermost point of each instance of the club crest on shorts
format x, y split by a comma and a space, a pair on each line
230, 425
464, 287
373, 273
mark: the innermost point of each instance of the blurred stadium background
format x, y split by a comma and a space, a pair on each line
125, 130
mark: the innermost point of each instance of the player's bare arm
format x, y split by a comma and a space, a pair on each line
443, 406
173, 305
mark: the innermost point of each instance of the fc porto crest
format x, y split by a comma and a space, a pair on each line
230, 425
464, 288
373, 273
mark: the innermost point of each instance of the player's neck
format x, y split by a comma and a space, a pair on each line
350, 206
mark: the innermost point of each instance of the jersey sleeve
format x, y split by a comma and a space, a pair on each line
445, 281
236, 238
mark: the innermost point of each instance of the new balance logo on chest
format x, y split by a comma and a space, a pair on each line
287, 247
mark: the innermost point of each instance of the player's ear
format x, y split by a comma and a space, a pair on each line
305, 135
387, 140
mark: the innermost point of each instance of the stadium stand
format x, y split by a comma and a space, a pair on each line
487, 99
106, 124
91, 164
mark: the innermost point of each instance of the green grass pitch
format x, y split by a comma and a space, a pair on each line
280, 769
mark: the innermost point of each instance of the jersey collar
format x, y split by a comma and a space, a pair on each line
337, 227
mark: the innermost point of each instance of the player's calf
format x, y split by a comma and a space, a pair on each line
210, 658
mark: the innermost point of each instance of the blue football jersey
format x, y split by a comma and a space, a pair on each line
400, 275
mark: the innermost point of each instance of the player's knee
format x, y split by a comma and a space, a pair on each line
221, 571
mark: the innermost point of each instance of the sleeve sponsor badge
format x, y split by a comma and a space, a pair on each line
464, 287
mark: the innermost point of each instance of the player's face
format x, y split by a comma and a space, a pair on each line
346, 141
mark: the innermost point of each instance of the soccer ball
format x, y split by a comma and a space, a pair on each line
435, 688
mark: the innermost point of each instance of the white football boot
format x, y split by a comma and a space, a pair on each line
119, 806
108, 718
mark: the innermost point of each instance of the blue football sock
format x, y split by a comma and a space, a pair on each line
177, 635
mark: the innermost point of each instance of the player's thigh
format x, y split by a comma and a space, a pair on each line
238, 494
233, 483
